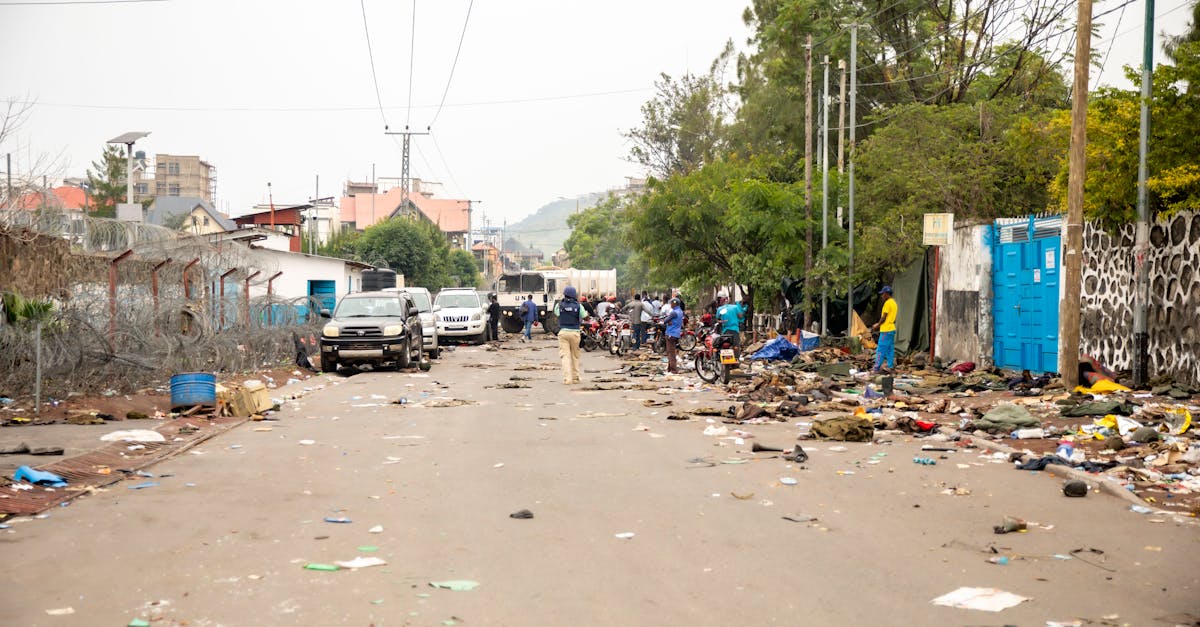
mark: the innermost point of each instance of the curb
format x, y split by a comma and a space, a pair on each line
1105, 485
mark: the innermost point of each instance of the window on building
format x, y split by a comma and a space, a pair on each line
195, 220
141, 188
205, 220
173, 190
173, 167
160, 188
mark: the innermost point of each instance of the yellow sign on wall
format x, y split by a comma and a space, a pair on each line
938, 227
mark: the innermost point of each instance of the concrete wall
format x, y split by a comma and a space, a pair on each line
1106, 324
298, 269
964, 299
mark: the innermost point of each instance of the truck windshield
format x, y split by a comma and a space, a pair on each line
458, 301
523, 283
368, 308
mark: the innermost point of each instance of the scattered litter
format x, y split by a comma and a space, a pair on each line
133, 435
522, 514
307, 442
361, 562
457, 585
985, 599
498, 465
340, 519
787, 481
322, 567
1010, 524
61, 611
39, 477
801, 518
144, 485
1141, 509
624, 535
376, 529
137, 622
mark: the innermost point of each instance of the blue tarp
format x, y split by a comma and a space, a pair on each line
777, 349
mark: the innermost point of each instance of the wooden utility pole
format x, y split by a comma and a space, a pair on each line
1068, 313
808, 185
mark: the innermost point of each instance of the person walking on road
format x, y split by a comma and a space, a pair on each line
493, 312
570, 314
674, 331
529, 314
886, 350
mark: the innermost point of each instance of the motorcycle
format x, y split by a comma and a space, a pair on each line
620, 335
590, 335
716, 358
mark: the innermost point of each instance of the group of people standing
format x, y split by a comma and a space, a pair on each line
643, 309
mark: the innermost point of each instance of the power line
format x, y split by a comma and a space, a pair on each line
454, 65
371, 56
412, 50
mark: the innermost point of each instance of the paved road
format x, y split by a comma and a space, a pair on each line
224, 539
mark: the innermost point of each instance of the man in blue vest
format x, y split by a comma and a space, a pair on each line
570, 314
730, 316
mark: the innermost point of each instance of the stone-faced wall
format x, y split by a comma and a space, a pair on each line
1106, 324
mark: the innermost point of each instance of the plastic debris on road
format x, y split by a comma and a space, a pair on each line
984, 599
625, 535
133, 435
340, 519
322, 567
361, 562
457, 585
61, 611
39, 477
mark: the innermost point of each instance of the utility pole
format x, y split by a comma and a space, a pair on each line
1068, 359
853, 125
824, 143
842, 119
312, 227
470, 207
1141, 248
808, 184
8, 171
405, 180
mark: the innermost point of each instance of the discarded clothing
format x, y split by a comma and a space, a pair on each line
1097, 408
965, 367
1041, 463
39, 477
1006, 418
845, 429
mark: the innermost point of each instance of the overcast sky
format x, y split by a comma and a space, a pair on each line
282, 91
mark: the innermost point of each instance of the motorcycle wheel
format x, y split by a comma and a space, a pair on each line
660, 344
623, 347
687, 342
706, 368
613, 346
588, 343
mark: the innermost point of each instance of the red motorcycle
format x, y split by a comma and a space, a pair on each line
716, 358
590, 334
657, 335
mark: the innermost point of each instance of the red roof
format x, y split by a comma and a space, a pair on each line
65, 197
290, 215
451, 216
369, 209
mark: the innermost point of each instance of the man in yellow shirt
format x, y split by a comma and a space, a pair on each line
886, 350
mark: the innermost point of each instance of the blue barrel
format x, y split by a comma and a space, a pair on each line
193, 388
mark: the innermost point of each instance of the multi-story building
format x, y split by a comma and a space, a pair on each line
184, 175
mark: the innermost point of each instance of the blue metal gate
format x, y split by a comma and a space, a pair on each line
324, 292
1025, 284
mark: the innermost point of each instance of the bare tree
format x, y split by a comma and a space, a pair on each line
31, 170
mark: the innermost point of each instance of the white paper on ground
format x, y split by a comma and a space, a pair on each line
986, 599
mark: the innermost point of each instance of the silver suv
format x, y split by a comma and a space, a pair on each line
461, 315
429, 327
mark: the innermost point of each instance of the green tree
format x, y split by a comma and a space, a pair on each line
107, 181
682, 126
1110, 191
403, 245
462, 268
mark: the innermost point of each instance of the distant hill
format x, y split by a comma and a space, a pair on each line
547, 228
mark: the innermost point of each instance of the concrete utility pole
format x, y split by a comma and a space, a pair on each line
8, 171
1068, 313
842, 119
808, 183
824, 143
1141, 248
405, 181
853, 124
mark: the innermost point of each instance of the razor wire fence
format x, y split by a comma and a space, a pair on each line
123, 316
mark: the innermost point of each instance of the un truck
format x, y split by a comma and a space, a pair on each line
546, 286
